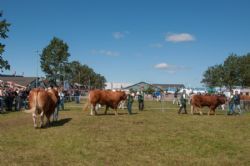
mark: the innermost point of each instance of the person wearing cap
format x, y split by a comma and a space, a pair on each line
130, 100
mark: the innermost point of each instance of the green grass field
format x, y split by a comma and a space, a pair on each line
152, 137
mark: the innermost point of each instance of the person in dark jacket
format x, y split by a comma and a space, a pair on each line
236, 100
130, 100
140, 96
183, 101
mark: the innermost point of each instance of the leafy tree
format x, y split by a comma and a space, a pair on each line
53, 60
4, 28
149, 90
231, 71
244, 70
85, 75
98, 81
213, 76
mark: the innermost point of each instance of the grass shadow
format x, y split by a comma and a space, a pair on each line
60, 122
113, 114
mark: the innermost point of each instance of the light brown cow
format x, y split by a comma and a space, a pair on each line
211, 101
42, 102
104, 97
245, 100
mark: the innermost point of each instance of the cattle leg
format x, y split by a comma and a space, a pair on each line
192, 109
106, 110
48, 121
93, 111
42, 119
208, 113
116, 112
34, 120
201, 113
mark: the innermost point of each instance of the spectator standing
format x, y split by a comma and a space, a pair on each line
61, 95
141, 100
237, 102
231, 104
175, 97
130, 101
77, 96
183, 101
1, 99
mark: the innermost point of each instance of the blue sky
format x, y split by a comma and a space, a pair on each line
157, 41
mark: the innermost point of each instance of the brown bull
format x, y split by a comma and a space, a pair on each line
213, 101
42, 102
104, 97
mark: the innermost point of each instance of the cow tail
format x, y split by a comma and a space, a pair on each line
86, 105
34, 109
192, 107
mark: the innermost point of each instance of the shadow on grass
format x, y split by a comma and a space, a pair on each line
66, 109
113, 114
60, 122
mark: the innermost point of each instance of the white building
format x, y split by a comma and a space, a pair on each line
116, 85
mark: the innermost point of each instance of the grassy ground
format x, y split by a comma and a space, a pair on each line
152, 137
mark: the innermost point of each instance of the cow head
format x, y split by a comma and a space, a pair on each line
222, 99
123, 95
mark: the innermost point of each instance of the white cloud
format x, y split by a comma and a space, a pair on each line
170, 68
181, 37
105, 52
120, 35
161, 66
156, 45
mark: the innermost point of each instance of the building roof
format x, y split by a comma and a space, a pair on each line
140, 85
24, 81
167, 86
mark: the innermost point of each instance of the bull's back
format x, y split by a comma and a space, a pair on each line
245, 97
105, 97
200, 100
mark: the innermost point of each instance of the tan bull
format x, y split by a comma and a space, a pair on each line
42, 102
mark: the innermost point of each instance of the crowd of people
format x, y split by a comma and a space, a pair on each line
13, 99
16, 98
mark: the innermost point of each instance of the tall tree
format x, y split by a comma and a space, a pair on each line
85, 75
244, 70
231, 71
53, 60
4, 28
213, 76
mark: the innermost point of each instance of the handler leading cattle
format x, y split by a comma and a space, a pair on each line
104, 97
42, 102
213, 101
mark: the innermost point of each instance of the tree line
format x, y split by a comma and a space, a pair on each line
55, 64
57, 68
234, 71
